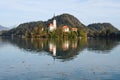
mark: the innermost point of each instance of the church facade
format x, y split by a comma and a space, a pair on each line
53, 25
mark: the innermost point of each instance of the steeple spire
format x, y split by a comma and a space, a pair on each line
54, 16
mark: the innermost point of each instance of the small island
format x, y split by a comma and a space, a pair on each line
62, 26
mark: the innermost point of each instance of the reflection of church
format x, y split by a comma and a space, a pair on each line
52, 48
65, 45
74, 44
64, 50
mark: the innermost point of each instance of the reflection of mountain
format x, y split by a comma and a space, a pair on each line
64, 49
102, 45
60, 49
2, 42
70, 48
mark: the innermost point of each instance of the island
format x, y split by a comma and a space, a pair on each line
62, 26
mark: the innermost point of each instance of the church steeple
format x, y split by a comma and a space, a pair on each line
53, 25
54, 16
54, 22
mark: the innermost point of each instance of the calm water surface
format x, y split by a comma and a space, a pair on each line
41, 59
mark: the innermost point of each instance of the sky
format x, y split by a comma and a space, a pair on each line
15, 12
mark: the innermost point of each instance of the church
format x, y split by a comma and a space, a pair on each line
53, 25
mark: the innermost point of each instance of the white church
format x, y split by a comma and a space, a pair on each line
53, 25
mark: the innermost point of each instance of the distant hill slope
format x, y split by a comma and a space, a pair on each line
3, 28
101, 29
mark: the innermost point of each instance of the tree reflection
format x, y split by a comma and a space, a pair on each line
63, 49
102, 45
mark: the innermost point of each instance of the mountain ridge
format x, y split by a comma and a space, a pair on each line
101, 26
3, 28
67, 19
32, 28
102, 29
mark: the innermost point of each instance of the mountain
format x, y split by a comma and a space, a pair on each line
24, 28
36, 27
40, 28
66, 19
101, 29
3, 28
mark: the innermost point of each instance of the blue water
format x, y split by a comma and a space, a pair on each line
72, 60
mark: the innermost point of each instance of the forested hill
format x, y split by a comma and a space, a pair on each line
32, 29
67, 19
102, 29
98, 27
36, 27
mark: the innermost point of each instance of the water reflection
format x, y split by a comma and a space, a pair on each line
52, 48
65, 45
102, 45
64, 49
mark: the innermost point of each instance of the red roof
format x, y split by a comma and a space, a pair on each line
50, 25
74, 28
65, 27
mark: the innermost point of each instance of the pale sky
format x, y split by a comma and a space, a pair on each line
15, 12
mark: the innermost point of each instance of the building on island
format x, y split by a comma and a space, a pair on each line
53, 25
65, 29
74, 29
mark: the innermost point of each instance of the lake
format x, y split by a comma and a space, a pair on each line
52, 59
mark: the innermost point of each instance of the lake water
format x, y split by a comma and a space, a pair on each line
42, 59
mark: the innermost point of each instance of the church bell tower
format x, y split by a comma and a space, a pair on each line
54, 22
